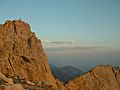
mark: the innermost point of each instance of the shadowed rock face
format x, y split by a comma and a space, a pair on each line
21, 53
100, 78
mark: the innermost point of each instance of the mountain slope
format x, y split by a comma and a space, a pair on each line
66, 73
102, 77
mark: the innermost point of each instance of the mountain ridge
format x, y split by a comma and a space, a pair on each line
65, 73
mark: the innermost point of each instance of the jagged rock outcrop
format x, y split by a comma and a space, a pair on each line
102, 77
21, 53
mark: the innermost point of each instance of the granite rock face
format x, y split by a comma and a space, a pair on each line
21, 53
102, 77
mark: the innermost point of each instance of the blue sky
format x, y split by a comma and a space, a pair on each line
69, 23
80, 20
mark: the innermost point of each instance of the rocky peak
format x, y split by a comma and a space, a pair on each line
21, 53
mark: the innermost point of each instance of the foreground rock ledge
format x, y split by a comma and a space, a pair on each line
102, 77
21, 53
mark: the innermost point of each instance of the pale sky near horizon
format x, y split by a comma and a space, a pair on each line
91, 23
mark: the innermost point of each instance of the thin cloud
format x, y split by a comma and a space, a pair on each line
76, 48
68, 45
58, 42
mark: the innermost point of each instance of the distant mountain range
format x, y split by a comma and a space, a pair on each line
65, 73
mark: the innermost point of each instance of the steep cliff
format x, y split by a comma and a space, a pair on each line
102, 77
21, 53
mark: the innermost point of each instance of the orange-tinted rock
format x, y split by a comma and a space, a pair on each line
11, 87
5, 79
21, 53
60, 85
14, 87
100, 78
